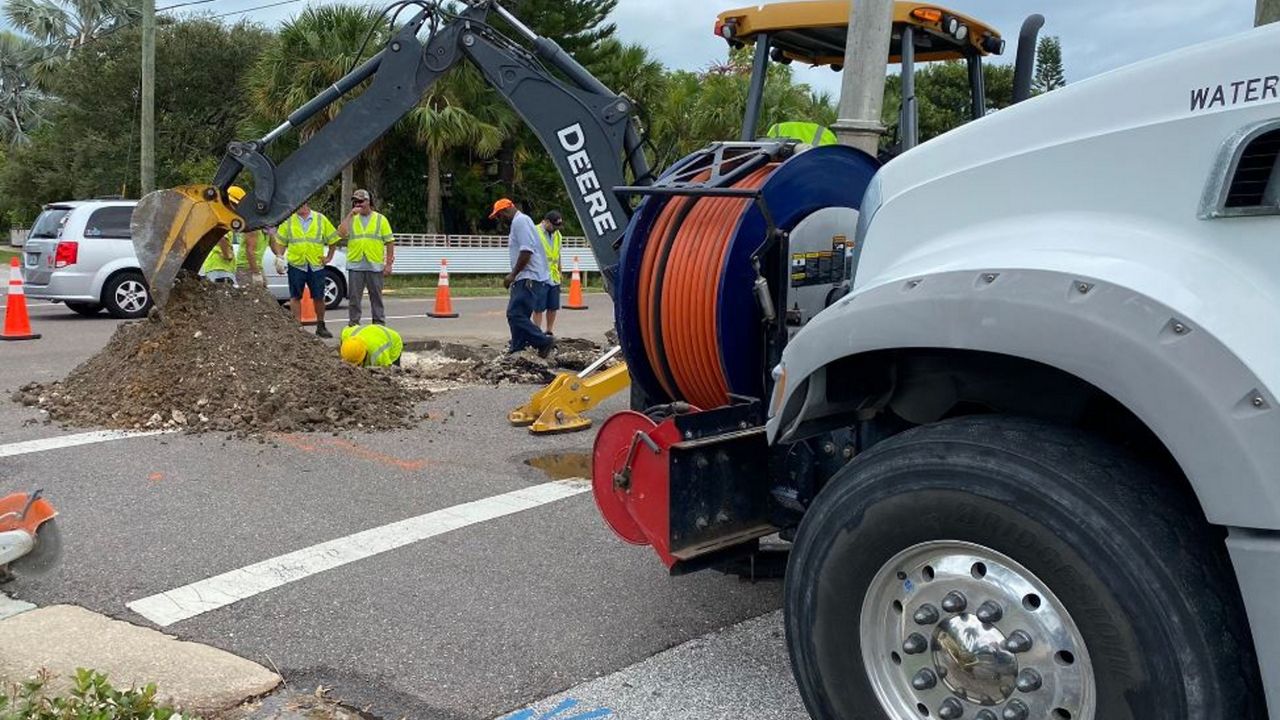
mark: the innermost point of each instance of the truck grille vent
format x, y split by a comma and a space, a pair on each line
1255, 171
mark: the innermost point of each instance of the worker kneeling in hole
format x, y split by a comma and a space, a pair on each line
371, 346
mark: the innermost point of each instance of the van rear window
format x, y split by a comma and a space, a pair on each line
50, 223
109, 222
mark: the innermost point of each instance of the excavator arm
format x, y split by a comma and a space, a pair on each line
587, 129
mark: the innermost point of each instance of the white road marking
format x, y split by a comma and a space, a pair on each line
218, 591
65, 441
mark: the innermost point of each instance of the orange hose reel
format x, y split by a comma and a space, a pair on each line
680, 277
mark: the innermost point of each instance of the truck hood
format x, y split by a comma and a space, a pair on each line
1164, 88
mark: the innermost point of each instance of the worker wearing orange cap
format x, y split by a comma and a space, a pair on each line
528, 273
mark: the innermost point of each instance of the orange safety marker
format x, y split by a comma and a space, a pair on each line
444, 303
17, 326
308, 307
575, 289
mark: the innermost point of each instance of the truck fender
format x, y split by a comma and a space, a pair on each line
1213, 414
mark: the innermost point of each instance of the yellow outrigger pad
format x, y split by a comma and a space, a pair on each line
558, 407
174, 230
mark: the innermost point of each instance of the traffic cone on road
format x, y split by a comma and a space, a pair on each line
17, 326
575, 289
308, 307
444, 303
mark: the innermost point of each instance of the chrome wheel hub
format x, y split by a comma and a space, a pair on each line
131, 296
955, 630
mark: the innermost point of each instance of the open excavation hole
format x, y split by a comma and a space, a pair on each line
436, 364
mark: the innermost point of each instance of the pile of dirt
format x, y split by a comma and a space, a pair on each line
222, 358
485, 364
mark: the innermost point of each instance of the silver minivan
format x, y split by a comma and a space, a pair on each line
81, 253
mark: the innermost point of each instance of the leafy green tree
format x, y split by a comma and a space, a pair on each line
943, 97
1049, 74
313, 51
61, 26
19, 96
457, 112
87, 145
578, 26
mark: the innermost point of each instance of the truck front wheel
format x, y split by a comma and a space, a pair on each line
1005, 569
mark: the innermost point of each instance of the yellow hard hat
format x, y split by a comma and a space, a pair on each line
354, 350
235, 193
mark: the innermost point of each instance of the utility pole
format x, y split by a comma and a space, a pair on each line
148, 153
1268, 12
866, 55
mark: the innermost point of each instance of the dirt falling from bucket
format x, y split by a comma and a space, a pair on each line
222, 358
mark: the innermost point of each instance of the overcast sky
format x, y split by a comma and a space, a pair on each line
1097, 35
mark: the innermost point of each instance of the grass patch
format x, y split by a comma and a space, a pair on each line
466, 285
90, 698
8, 251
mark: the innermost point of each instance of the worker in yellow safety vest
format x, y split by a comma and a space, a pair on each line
371, 346
220, 264
548, 298
371, 251
307, 241
808, 133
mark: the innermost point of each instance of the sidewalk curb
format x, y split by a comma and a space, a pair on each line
61, 638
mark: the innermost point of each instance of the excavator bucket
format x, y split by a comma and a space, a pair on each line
173, 230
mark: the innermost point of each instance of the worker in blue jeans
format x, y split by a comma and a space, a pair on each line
525, 281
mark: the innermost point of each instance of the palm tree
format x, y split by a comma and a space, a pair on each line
61, 26
18, 91
459, 111
311, 52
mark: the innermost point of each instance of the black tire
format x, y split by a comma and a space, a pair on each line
1126, 551
126, 295
339, 283
87, 309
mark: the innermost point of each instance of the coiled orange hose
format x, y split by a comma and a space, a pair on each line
678, 291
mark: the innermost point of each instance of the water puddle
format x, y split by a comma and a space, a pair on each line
563, 465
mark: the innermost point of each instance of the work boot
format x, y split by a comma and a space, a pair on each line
546, 350
323, 332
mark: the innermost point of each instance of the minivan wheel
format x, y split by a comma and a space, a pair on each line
126, 295
335, 289
1007, 569
88, 309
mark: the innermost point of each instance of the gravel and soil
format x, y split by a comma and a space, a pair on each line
438, 365
219, 358
222, 358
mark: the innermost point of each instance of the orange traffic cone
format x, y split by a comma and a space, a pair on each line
575, 289
17, 326
308, 307
444, 304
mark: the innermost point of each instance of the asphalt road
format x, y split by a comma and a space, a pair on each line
476, 622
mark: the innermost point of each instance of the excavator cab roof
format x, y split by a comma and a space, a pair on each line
815, 31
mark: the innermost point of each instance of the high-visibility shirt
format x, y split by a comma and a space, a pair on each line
551, 244
805, 132
214, 262
367, 246
384, 344
242, 248
305, 247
